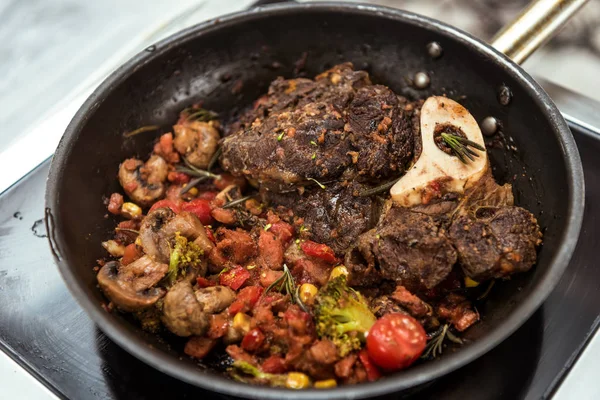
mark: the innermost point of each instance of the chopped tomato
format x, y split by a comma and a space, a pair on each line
131, 254
115, 203
203, 282
395, 341
235, 277
178, 177
226, 179
253, 340
165, 203
207, 195
219, 324
210, 235
373, 372
318, 250
200, 208
274, 365
246, 299
283, 231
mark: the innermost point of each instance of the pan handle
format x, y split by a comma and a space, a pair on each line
536, 24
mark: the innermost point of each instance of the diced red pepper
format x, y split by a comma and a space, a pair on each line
165, 203
318, 250
373, 372
235, 277
246, 299
178, 177
283, 231
203, 282
274, 365
219, 324
253, 340
200, 208
131, 254
210, 235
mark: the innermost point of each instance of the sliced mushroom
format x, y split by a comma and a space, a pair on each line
182, 313
197, 141
152, 238
437, 171
144, 183
127, 292
143, 273
215, 299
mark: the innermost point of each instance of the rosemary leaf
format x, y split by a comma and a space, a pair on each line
378, 189
317, 182
214, 159
147, 128
237, 201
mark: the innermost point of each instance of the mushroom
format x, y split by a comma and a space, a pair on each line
130, 287
197, 141
144, 183
438, 170
182, 313
215, 299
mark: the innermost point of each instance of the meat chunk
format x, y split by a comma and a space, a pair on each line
199, 347
183, 313
270, 250
339, 123
457, 310
236, 246
333, 216
409, 248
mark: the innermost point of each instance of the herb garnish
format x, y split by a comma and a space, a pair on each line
285, 283
317, 182
461, 146
147, 128
435, 347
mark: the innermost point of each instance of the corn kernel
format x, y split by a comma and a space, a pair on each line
241, 322
115, 249
297, 380
338, 271
307, 293
326, 384
470, 283
130, 210
138, 241
193, 191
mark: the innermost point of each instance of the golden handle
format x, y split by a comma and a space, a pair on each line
536, 24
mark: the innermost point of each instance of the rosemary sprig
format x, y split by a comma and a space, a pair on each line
192, 184
462, 146
199, 114
214, 159
127, 230
285, 283
234, 203
435, 345
378, 189
147, 128
194, 171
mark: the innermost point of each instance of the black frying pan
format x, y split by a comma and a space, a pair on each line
207, 61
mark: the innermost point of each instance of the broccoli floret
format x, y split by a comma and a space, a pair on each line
342, 315
184, 254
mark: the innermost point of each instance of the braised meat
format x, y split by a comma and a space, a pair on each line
320, 129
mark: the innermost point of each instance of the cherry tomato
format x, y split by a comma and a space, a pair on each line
203, 282
131, 254
235, 277
253, 340
165, 203
200, 208
246, 299
373, 372
395, 341
283, 231
318, 250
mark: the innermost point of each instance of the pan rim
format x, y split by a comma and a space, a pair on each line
412, 377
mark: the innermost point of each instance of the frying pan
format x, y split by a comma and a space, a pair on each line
211, 61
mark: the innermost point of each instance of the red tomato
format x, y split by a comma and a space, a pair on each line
395, 341
131, 254
200, 208
274, 365
234, 278
373, 372
318, 250
283, 231
178, 177
210, 235
165, 203
203, 282
253, 340
246, 299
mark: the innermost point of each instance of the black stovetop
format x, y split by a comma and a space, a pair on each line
46, 332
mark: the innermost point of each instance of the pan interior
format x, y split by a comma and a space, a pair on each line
228, 64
